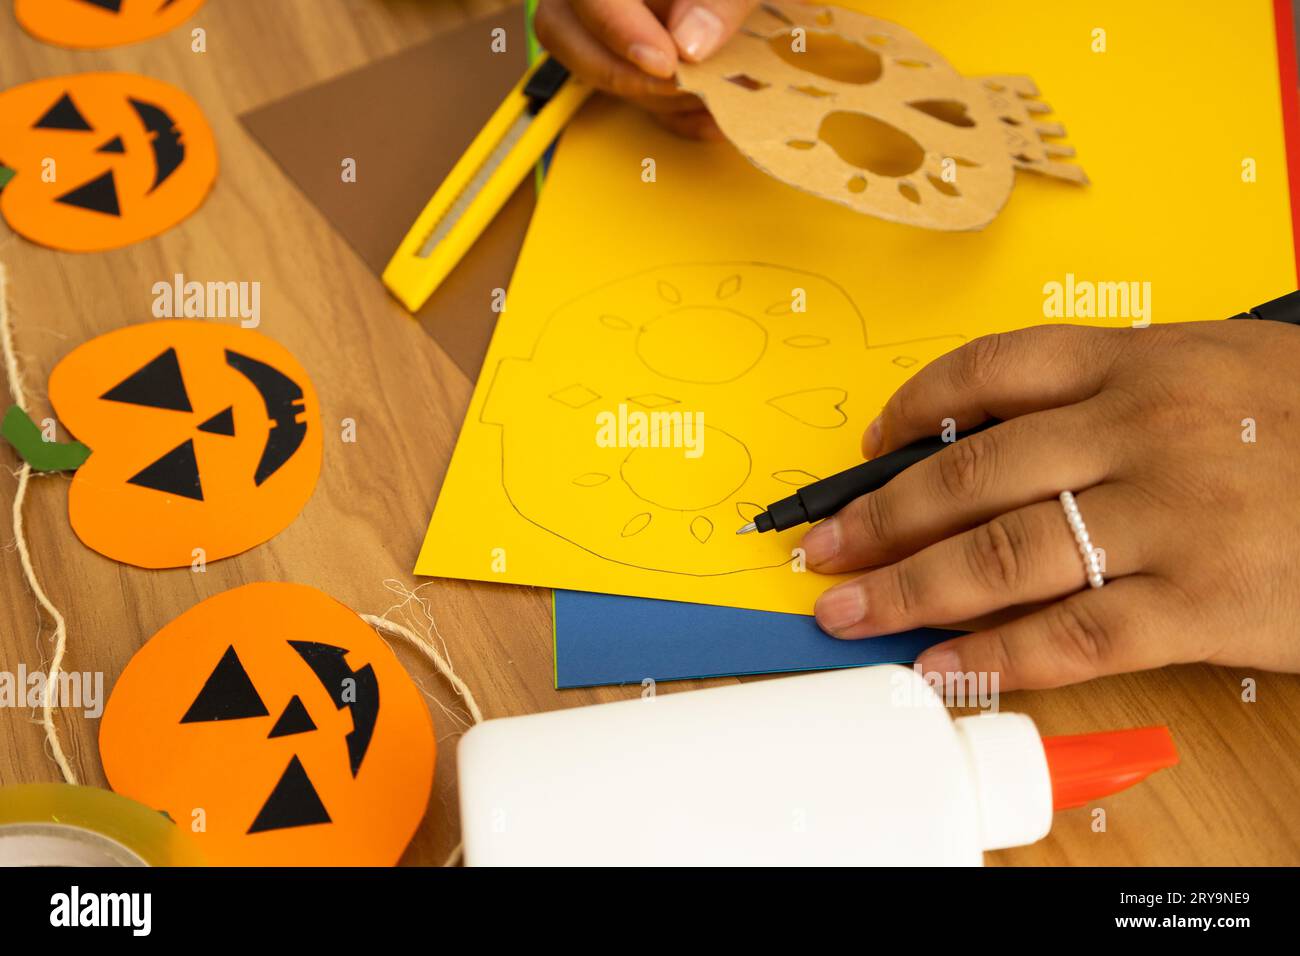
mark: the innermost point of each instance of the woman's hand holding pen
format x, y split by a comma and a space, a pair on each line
1181, 444
631, 48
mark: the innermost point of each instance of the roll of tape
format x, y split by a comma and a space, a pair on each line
54, 824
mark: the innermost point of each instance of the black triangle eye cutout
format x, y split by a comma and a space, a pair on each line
63, 115
157, 385
114, 145
222, 423
98, 195
294, 720
175, 473
228, 694
112, 6
293, 803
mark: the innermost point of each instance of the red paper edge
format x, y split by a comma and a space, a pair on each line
1290, 83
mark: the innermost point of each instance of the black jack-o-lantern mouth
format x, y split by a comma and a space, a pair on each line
284, 403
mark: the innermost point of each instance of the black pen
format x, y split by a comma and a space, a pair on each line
823, 498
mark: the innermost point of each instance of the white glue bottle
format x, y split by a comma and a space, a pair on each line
861, 766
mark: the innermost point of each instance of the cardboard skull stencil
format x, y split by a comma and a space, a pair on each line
860, 111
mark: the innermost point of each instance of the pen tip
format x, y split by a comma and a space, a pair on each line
747, 528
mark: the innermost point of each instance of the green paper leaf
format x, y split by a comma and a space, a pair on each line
21, 432
6, 174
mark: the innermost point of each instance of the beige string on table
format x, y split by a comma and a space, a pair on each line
422, 643
425, 645
24, 474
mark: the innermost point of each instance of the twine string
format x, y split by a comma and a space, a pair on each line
24, 555
422, 642
415, 607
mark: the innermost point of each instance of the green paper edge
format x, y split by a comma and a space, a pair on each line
534, 48
6, 174
534, 51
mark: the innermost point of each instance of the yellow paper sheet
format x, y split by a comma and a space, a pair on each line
681, 295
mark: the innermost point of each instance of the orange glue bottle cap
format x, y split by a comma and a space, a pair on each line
1084, 767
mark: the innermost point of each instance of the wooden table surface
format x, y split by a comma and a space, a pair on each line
1235, 798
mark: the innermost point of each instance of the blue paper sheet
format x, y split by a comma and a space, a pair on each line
607, 639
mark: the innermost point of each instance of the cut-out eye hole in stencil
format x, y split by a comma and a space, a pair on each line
281, 714
860, 111
196, 441
131, 156
772, 385
96, 24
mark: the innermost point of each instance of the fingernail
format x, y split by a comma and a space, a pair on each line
871, 440
939, 660
651, 59
698, 33
822, 543
841, 607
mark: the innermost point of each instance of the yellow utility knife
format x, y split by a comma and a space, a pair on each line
513, 140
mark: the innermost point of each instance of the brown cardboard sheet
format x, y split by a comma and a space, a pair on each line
405, 120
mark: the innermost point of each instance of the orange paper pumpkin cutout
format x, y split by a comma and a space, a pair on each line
102, 160
277, 717
95, 24
205, 440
